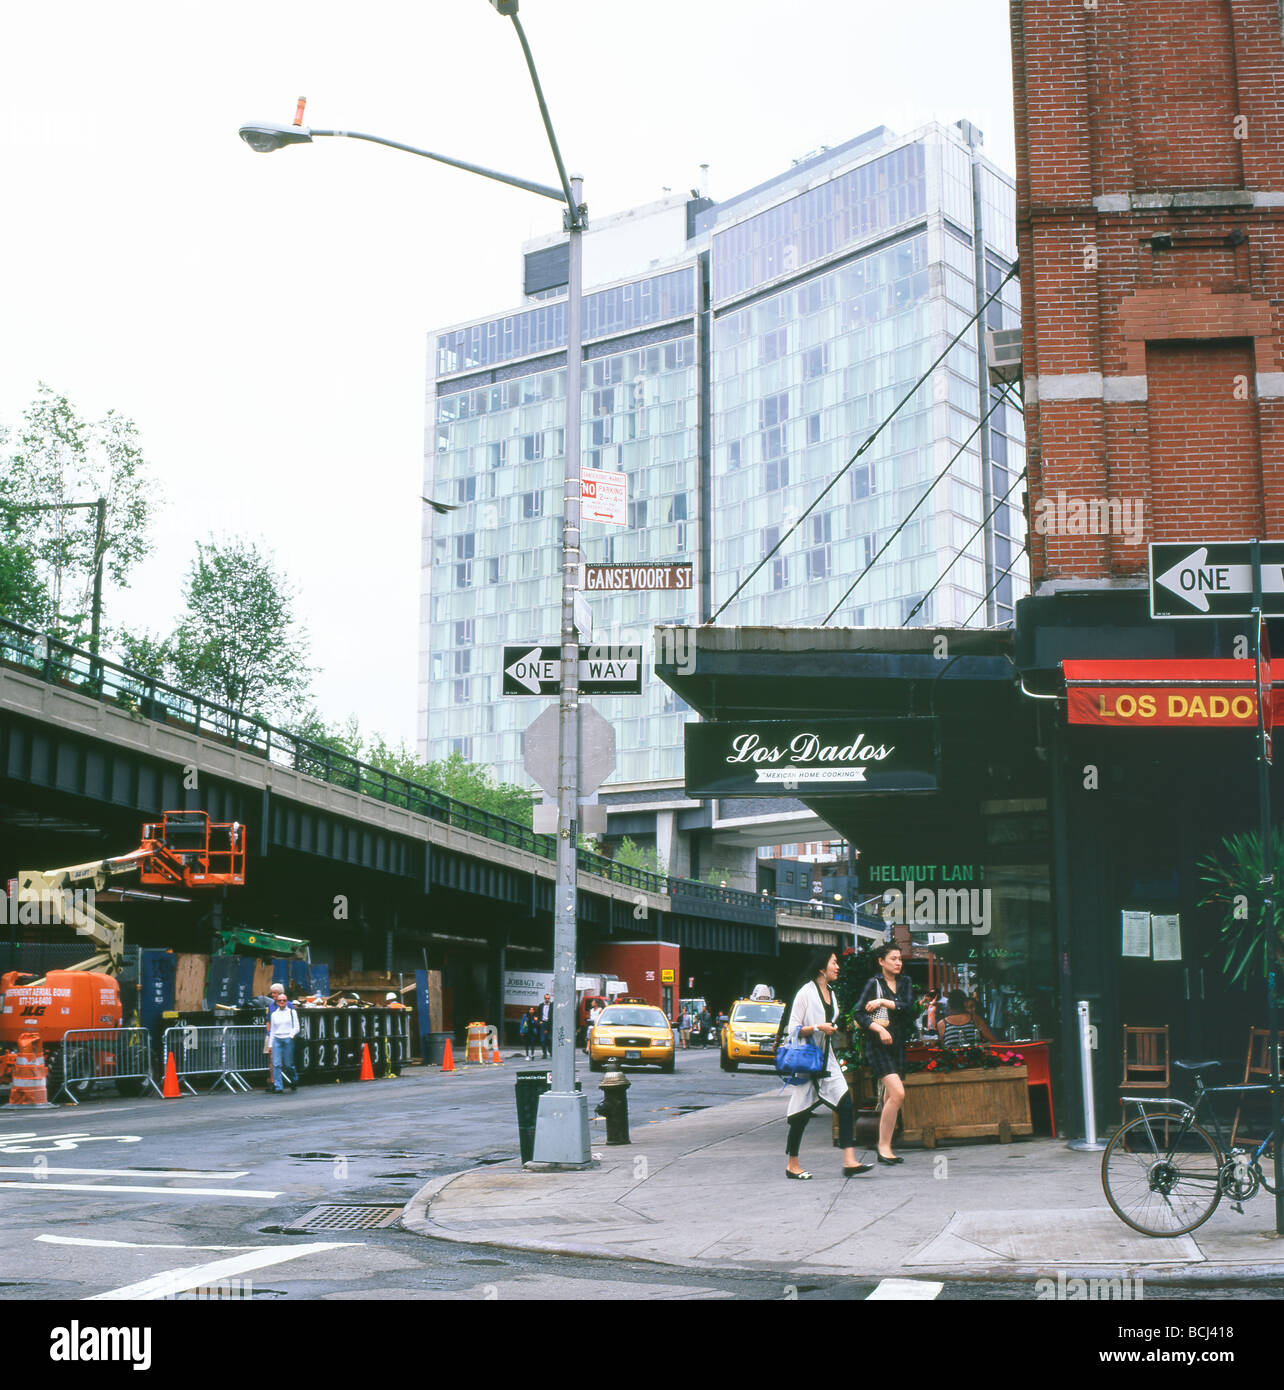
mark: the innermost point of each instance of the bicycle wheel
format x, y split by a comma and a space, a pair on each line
1159, 1180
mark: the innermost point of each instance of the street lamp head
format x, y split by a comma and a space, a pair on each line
266, 136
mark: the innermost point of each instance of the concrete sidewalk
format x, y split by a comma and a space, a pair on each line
708, 1191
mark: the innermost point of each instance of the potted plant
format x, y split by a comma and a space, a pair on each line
1235, 879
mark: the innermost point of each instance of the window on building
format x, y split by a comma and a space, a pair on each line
532, 505
777, 474
464, 575
532, 447
862, 481
465, 490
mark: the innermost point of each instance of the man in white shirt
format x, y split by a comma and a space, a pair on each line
283, 1028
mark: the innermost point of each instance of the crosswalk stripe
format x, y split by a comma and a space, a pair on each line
905, 1290
117, 1187
175, 1281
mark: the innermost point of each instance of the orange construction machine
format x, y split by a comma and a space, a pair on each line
184, 850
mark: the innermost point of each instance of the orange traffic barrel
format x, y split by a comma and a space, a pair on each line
30, 1075
476, 1043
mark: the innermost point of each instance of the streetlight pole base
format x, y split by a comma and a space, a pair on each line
562, 1129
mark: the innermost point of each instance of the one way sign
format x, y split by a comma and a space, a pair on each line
1214, 580
537, 670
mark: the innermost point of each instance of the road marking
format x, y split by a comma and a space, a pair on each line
175, 1281
153, 1173
19, 1143
113, 1187
905, 1290
131, 1244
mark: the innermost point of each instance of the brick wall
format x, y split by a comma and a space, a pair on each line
1150, 227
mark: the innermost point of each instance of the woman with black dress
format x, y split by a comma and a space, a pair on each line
885, 1010
813, 1018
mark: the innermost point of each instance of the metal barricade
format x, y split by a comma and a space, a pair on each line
89, 1055
197, 1051
243, 1054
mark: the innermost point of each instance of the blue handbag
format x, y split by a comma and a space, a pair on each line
799, 1063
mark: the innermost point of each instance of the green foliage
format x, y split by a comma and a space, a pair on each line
718, 876
631, 855
1235, 879
22, 598
239, 642
61, 458
855, 967
454, 776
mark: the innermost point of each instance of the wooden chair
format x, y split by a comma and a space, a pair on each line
1145, 1061
1257, 1068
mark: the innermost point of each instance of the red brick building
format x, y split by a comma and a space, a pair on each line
1150, 216
1150, 228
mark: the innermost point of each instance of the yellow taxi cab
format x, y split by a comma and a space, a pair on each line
749, 1034
637, 1033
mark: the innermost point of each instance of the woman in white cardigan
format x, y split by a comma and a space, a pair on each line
813, 1018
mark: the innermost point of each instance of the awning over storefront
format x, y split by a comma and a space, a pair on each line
1177, 693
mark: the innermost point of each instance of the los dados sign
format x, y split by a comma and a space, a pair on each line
1186, 694
814, 757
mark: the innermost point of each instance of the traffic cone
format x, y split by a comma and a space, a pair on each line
170, 1091
448, 1057
367, 1071
30, 1075
495, 1059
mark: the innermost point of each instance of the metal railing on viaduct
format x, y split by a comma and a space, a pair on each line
97, 699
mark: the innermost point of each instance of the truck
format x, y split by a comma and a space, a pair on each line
184, 849
524, 989
650, 967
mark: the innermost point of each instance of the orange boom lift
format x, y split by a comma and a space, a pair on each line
184, 850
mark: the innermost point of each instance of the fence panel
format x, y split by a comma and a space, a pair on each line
105, 1054
197, 1051
242, 1055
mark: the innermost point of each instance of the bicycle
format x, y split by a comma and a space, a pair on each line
1171, 1187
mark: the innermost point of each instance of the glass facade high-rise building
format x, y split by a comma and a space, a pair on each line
732, 376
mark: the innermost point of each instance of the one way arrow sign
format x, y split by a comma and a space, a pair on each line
603, 670
1214, 580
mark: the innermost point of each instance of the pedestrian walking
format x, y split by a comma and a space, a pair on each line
546, 1024
703, 1023
283, 1028
528, 1030
813, 1018
684, 1029
885, 1010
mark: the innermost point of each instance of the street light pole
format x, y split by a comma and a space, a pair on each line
561, 1128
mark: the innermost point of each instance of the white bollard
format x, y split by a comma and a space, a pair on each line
1089, 1143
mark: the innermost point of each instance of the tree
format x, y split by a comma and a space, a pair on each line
634, 856
239, 642
471, 783
59, 459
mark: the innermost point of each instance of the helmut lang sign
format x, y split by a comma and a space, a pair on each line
818, 757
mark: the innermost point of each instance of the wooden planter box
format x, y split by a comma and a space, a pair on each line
984, 1102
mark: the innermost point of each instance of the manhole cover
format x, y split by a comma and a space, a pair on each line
347, 1218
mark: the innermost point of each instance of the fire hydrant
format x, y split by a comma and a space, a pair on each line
615, 1107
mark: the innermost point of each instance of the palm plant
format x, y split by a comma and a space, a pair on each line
1235, 876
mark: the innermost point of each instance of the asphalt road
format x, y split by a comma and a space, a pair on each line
205, 1194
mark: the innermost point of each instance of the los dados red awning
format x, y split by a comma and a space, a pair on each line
1190, 694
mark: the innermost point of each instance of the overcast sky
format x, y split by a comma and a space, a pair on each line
264, 319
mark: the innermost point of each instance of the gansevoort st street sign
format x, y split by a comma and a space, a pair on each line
812, 757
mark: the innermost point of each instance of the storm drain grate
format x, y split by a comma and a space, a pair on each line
347, 1218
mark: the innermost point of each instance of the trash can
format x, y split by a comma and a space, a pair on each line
530, 1085
435, 1048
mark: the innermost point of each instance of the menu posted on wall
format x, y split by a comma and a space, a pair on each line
813, 757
